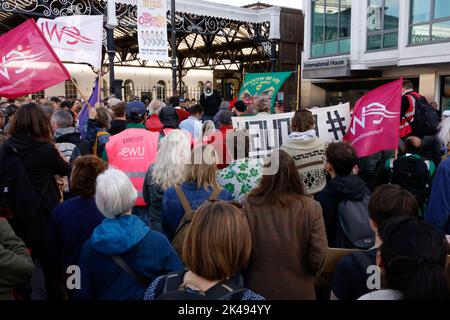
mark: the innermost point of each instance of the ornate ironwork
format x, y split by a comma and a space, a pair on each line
53, 8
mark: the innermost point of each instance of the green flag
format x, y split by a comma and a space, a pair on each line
262, 84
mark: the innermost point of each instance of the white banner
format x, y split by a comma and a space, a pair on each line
75, 38
269, 132
152, 30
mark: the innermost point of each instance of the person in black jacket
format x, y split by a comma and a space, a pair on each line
210, 101
341, 158
31, 136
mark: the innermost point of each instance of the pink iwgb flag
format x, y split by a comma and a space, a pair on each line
376, 120
28, 64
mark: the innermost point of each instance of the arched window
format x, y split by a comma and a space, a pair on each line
184, 92
129, 89
105, 88
38, 94
161, 90
70, 91
201, 87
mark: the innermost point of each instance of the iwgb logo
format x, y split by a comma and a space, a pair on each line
71, 35
375, 110
17, 60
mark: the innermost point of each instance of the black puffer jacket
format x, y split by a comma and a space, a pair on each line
41, 162
339, 189
210, 104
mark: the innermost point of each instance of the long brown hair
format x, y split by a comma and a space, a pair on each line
280, 187
31, 121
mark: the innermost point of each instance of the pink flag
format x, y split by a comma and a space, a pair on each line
28, 64
376, 120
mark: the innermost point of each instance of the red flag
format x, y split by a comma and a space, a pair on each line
376, 119
28, 64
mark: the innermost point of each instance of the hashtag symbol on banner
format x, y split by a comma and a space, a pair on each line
336, 124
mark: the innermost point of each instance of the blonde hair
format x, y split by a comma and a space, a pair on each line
203, 167
171, 160
208, 128
155, 106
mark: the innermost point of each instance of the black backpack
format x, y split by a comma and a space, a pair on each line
354, 230
175, 290
411, 173
426, 118
18, 200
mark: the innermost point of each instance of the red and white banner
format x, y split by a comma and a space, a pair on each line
27, 62
75, 38
376, 120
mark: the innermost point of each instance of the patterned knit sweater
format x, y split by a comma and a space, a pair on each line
308, 157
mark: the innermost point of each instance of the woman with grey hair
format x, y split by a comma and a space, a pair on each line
224, 106
261, 106
123, 255
153, 123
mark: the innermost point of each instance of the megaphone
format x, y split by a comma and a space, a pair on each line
208, 91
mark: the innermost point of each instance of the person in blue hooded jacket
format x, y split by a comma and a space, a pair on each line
438, 212
146, 254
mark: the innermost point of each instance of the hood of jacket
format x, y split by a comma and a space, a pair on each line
23, 143
117, 236
67, 135
347, 188
308, 144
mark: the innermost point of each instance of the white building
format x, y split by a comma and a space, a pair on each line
137, 80
354, 46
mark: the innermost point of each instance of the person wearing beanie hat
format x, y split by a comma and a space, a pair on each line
133, 151
169, 118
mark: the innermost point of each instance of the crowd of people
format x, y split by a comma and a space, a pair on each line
163, 202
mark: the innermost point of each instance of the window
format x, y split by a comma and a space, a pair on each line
38, 94
382, 24
129, 90
331, 25
161, 90
429, 21
70, 90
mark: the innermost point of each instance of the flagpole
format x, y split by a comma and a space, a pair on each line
100, 83
81, 93
298, 87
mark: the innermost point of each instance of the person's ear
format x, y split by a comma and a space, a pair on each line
373, 225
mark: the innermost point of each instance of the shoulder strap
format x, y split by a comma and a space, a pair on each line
173, 281
102, 133
215, 194
125, 267
224, 291
184, 201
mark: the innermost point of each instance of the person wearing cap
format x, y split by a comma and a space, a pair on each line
240, 109
193, 124
133, 151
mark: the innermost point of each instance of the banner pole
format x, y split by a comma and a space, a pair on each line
81, 93
100, 83
298, 87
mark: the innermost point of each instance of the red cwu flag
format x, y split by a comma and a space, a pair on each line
376, 120
28, 64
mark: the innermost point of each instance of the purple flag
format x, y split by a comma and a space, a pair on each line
83, 116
